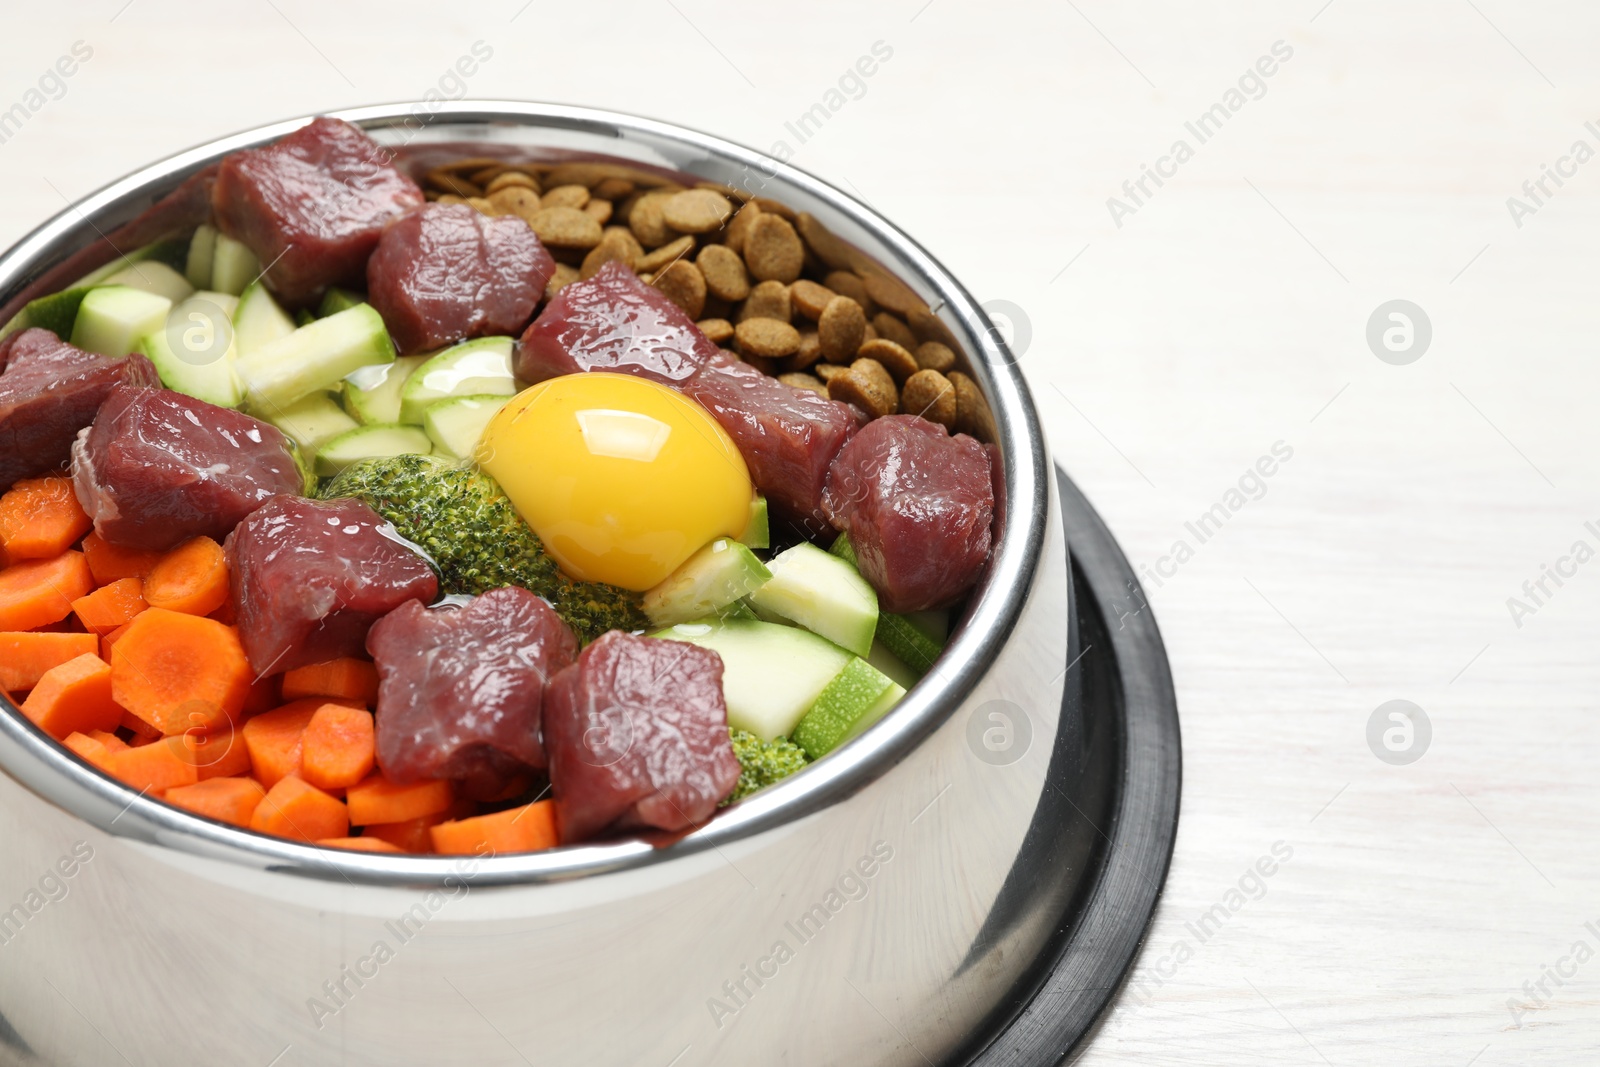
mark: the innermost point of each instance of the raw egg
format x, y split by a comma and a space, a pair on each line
623, 479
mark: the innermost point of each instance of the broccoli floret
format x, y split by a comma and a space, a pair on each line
761, 763
462, 519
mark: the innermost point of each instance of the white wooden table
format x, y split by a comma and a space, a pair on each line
1226, 314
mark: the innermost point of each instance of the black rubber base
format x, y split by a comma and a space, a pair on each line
1109, 825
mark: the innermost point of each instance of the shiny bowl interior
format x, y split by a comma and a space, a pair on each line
546, 131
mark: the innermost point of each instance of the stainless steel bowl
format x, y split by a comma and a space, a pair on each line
842, 917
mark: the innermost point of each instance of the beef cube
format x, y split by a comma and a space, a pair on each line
919, 507
311, 577
447, 273
48, 392
158, 467
312, 206
461, 688
636, 733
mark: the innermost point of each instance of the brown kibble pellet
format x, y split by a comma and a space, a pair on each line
929, 327
612, 189
563, 277
670, 252
616, 243
931, 355
930, 394
799, 380
972, 410
696, 211
841, 328
573, 196
847, 283
724, 271
809, 298
481, 206
599, 210
451, 183
772, 250
516, 200
870, 334
766, 338
565, 227
769, 300
900, 363
821, 240
894, 330
649, 222
775, 207
867, 386
448, 198
511, 179
892, 294
683, 284
809, 352
720, 331
740, 227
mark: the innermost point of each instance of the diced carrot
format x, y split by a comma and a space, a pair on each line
112, 638
409, 836
294, 808
110, 607
90, 749
41, 518
192, 578
24, 657
350, 679
530, 828
112, 563
143, 732
36, 592
378, 800
155, 767
219, 753
75, 696
360, 844
178, 672
112, 742
274, 740
229, 800
338, 749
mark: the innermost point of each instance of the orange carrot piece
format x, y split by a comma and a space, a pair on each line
275, 739
111, 639
24, 657
112, 563
155, 767
36, 592
41, 518
90, 749
378, 800
360, 844
229, 800
296, 809
112, 742
530, 828
339, 748
349, 679
192, 578
75, 696
409, 836
143, 732
110, 607
219, 753
178, 672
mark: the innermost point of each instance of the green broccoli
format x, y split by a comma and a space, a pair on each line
762, 763
460, 517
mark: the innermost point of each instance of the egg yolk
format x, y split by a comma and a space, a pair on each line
623, 479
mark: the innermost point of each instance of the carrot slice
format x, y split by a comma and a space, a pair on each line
41, 518
220, 753
530, 828
143, 733
350, 679
154, 767
338, 749
24, 657
178, 671
112, 742
35, 593
112, 563
360, 844
75, 696
90, 749
192, 578
229, 800
110, 607
275, 740
409, 836
296, 809
378, 800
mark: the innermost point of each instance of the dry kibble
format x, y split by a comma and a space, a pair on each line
870, 335
670, 252
649, 222
511, 179
930, 394
766, 338
809, 298
683, 284
809, 352
847, 283
484, 176
696, 211
828, 248
929, 327
841, 328
563, 277
867, 386
720, 331
769, 300
613, 189
647, 277
900, 363
890, 293
448, 198
573, 196
772, 249
724, 271
565, 227
775, 207
931, 355
804, 381
892, 328
516, 200
616, 243
599, 210
740, 227
451, 183
829, 371
972, 410
481, 206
